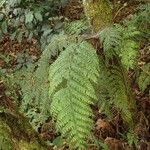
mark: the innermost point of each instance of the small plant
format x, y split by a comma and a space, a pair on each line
30, 19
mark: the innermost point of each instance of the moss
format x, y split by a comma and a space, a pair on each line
6, 142
99, 13
17, 134
23, 145
5, 136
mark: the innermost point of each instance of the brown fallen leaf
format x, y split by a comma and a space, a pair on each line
115, 144
105, 128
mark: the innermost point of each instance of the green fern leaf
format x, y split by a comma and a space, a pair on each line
129, 54
110, 38
76, 27
34, 83
72, 77
120, 42
144, 78
141, 20
120, 94
117, 94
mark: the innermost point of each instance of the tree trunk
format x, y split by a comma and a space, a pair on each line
98, 13
17, 134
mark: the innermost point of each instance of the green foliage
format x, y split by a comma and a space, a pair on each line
144, 77
58, 142
5, 136
29, 18
10, 87
33, 80
76, 27
120, 41
110, 38
34, 87
71, 78
132, 138
141, 20
123, 40
117, 94
121, 44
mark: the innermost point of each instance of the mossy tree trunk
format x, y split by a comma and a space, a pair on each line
17, 134
98, 13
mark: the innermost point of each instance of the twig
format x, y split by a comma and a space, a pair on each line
124, 5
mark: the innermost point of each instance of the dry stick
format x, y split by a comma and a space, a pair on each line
124, 5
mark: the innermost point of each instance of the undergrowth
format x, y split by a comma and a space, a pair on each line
69, 77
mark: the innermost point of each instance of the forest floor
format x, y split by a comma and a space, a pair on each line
111, 131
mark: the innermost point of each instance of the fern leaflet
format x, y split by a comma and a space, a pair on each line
144, 78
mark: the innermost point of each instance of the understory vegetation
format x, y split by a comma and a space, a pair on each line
80, 80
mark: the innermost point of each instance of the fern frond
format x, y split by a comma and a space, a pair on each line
34, 83
143, 16
76, 27
129, 54
120, 42
141, 20
72, 77
25, 79
58, 43
117, 94
129, 48
110, 38
144, 78
120, 94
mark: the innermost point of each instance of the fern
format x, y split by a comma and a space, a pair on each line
34, 84
123, 40
144, 78
117, 94
120, 44
141, 20
120, 41
76, 27
58, 44
121, 47
120, 94
72, 77
110, 38
65, 79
